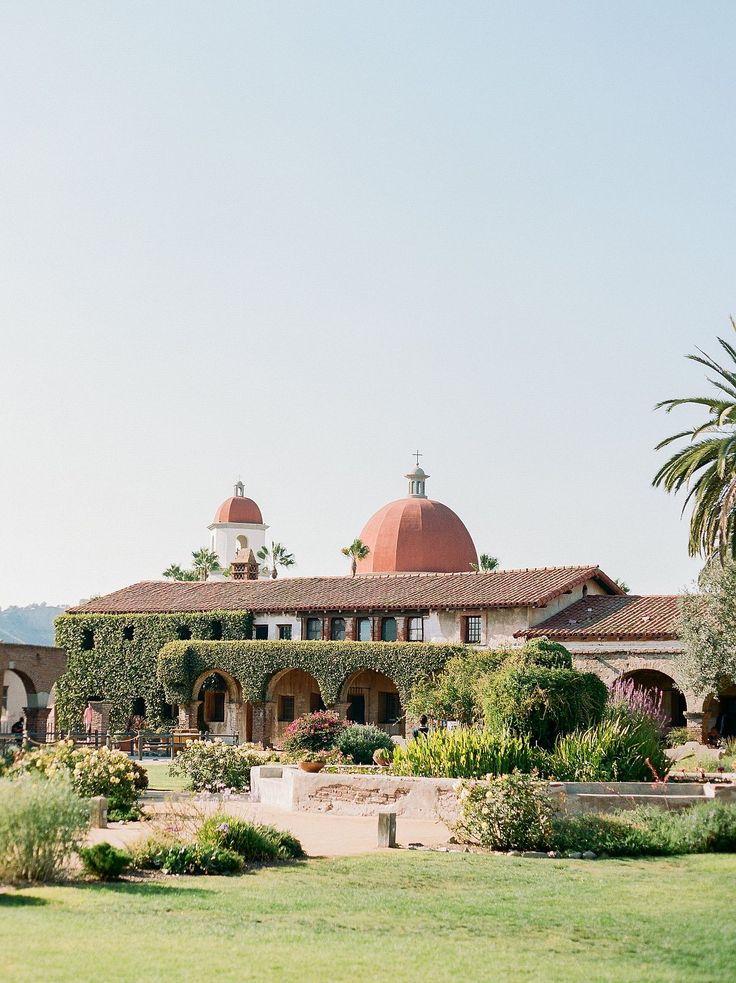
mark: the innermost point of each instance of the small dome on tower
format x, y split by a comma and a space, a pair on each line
417, 535
238, 508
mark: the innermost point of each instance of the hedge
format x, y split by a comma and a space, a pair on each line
121, 665
254, 663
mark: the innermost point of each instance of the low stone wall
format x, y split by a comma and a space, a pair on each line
350, 794
354, 794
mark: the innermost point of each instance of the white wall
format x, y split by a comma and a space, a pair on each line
274, 620
224, 539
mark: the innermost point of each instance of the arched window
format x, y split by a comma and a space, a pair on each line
242, 542
213, 693
337, 630
128, 633
314, 629
388, 630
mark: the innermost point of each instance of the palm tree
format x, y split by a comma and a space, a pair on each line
485, 563
706, 466
275, 558
175, 572
356, 551
204, 562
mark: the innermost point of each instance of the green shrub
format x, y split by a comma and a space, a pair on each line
677, 736
541, 703
317, 731
513, 812
453, 693
616, 835
464, 753
42, 823
212, 766
151, 853
615, 750
253, 842
7, 757
201, 858
104, 861
543, 652
708, 827
359, 741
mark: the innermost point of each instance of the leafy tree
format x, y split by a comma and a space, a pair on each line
706, 466
204, 562
708, 628
623, 585
356, 551
485, 564
175, 572
274, 558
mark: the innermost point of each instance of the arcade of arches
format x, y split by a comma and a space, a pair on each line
218, 706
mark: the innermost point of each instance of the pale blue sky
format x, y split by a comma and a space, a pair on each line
293, 241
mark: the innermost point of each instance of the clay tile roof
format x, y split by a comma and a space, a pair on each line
388, 592
624, 618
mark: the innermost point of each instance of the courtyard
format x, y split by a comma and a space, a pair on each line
393, 916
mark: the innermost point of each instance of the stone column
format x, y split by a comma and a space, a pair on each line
350, 629
100, 715
401, 629
377, 629
264, 722
695, 724
36, 718
326, 629
341, 709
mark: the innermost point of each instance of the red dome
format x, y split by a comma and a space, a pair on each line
239, 509
417, 535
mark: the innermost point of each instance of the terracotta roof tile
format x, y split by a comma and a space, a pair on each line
624, 618
395, 592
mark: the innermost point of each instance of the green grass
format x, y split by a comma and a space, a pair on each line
388, 917
160, 779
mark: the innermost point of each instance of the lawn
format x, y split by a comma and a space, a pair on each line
160, 779
387, 917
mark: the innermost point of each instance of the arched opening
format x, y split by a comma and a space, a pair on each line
16, 690
220, 707
294, 693
673, 701
373, 698
242, 542
719, 713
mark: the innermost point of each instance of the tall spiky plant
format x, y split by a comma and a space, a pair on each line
276, 557
705, 468
485, 563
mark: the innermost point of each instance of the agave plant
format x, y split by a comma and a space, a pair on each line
706, 466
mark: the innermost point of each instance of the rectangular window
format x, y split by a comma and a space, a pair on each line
285, 633
389, 631
214, 707
416, 630
260, 632
365, 630
316, 702
286, 709
337, 630
389, 708
314, 629
472, 629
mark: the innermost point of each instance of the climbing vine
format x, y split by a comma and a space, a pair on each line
114, 657
254, 663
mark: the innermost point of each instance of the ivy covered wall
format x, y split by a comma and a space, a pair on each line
114, 657
254, 663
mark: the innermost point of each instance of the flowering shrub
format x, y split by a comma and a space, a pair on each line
513, 812
626, 699
211, 766
100, 771
313, 732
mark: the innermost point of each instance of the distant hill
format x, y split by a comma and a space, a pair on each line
31, 625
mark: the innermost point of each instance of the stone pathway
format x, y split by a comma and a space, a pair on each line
321, 835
